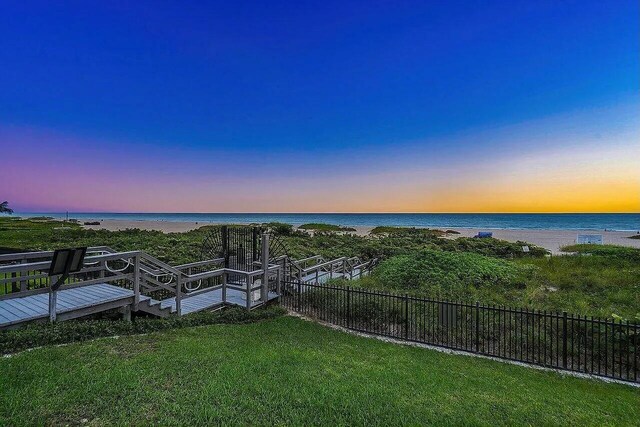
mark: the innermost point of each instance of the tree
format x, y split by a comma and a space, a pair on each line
4, 208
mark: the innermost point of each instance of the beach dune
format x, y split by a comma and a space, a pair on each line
552, 240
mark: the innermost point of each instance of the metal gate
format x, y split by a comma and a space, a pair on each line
241, 246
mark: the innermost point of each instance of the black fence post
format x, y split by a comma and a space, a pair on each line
254, 243
225, 245
349, 322
564, 339
406, 316
477, 326
299, 297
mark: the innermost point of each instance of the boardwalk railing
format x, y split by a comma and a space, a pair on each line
316, 269
26, 274
604, 347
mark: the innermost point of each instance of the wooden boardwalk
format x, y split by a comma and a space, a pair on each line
132, 280
83, 300
324, 277
208, 300
74, 302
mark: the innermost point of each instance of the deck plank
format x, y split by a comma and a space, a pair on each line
31, 307
19, 310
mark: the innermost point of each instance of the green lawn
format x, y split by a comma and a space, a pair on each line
288, 371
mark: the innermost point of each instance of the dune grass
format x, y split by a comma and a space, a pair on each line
324, 227
604, 284
386, 229
289, 371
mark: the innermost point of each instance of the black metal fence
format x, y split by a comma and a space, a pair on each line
605, 347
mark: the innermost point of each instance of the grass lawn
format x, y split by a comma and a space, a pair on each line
288, 371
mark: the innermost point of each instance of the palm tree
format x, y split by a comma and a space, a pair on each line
4, 208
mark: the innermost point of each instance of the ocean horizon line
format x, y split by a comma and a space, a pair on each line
319, 213
627, 222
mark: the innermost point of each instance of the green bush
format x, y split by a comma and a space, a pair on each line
279, 228
42, 334
324, 227
492, 247
363, 310
375, 312
449, 275
390, 230
607, 251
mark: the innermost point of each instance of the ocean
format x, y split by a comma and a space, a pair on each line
617, 222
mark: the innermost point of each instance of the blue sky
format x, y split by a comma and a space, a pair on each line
297, 83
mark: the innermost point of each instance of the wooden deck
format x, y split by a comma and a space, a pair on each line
84, 300
211, 299
72, 303
324, 277
100, 287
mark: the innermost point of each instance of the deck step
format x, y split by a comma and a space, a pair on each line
152, 306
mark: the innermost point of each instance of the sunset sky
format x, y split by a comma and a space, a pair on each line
320, 106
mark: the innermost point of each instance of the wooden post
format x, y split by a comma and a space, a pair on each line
264, 289
136, 281
224, 287
23, 283
126, 313
249, 280
53, 300
179, 295
14, 285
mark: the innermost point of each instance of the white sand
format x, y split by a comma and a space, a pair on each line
549, 239
553, 239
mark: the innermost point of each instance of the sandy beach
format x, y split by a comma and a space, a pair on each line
552, 240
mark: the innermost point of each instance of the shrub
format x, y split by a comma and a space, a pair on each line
374, 312
279, 228
623, 253
42, 334
492, 247
324, 227
450, 275
389, 230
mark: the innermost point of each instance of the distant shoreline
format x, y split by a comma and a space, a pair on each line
625, 222
548, 239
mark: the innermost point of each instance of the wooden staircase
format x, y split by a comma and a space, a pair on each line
155, 307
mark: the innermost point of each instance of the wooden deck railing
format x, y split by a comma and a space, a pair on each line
26, 274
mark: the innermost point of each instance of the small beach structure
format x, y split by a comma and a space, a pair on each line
249, 270
483, 235
589, 239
